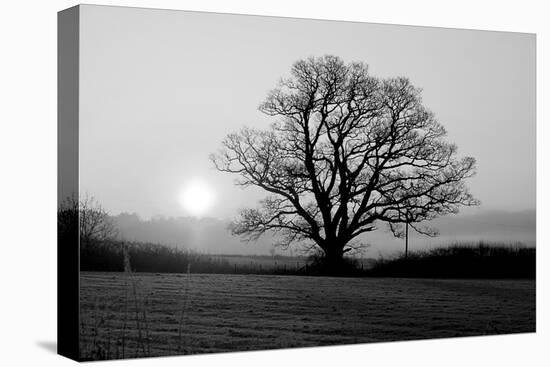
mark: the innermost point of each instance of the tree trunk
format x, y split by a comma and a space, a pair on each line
334, 260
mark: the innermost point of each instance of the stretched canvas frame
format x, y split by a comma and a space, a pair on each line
299, 300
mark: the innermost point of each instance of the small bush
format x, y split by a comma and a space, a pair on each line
319, 264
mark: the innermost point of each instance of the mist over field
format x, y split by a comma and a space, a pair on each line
211, 235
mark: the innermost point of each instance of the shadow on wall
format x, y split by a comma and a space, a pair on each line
49, 346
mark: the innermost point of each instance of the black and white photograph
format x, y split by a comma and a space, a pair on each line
251, 183
275, 183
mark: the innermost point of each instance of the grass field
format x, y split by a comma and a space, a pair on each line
125, 315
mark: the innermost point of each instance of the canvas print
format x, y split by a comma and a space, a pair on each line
233, 183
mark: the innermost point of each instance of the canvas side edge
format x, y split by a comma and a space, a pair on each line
68, 23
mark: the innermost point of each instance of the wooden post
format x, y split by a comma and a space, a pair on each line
406, 239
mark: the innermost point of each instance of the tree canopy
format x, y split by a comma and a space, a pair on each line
345, 152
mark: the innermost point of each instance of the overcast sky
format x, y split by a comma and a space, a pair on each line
160, 89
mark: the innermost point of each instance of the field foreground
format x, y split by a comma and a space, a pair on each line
134, 315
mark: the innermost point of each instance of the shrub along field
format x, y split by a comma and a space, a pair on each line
465, 260
482, 260
125, 315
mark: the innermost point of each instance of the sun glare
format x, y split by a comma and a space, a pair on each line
197, 198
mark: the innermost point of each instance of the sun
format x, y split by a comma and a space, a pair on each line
197, 197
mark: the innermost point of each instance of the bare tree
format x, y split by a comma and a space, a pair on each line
94, 223
347, 151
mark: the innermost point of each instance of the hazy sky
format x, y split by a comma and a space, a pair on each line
160, 89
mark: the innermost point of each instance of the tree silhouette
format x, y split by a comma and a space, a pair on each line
347, 151
86, 218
